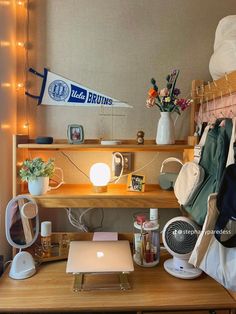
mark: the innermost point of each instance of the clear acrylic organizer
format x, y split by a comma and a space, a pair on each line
146, 240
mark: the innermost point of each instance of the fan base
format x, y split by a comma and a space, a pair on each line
184, 273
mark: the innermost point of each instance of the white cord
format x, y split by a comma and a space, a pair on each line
117, 178
83, 213
72, 162
176, 118
77, 221
155, 156
86, 211
5, 264
74, 221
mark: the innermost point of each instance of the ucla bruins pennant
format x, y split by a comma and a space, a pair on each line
59, 91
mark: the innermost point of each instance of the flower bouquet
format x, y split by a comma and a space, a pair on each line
167, 99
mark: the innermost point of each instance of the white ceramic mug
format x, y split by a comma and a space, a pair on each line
41, 185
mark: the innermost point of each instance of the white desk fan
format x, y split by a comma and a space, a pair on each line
179, 237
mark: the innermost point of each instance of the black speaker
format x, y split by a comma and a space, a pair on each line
44, 140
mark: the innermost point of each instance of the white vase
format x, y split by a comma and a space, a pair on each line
38, 186
165, 129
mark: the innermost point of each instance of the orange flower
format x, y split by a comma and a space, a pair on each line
152, 93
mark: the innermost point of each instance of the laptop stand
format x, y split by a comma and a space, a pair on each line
101, 281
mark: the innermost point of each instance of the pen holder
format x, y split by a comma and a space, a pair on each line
146, 241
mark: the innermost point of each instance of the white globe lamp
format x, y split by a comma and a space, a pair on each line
100, 176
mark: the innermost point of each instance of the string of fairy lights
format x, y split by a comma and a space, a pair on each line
21, 45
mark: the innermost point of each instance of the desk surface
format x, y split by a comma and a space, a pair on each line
152, 289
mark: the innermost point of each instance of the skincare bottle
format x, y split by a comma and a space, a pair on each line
46, 231
154, 214
154, 217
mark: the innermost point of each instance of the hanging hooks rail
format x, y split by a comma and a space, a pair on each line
225, 85
210, 101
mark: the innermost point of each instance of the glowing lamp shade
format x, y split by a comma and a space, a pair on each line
100, 175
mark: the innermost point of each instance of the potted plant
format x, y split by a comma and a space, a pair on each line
37, 173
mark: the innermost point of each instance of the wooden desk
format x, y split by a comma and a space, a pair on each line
50, 290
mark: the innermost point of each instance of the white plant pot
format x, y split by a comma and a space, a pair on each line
165, 129
39, 186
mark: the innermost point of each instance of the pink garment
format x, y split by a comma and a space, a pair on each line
224, 107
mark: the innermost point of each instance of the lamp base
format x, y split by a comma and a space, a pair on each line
22, 266
100, 189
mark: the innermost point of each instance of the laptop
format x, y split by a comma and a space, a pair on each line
99, 257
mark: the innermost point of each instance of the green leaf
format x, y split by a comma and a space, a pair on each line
159, 106
153, 81
31, 169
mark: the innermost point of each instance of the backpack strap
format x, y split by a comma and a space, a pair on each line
170, 159
198, 148
230, 159
226, 204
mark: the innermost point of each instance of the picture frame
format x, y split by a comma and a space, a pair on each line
75, 134
136, 183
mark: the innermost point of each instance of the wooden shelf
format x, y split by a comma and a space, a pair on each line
71, 195
94, 145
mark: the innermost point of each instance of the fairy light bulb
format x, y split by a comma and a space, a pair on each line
5, 126
20, 3
4, 43
5, 85
5, 2
19, 85
20, 44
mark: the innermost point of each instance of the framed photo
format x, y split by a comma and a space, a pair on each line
136, 183
75, 134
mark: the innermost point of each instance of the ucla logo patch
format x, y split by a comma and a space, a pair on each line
58, 90
77, 94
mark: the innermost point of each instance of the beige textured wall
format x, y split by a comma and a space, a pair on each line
7, 115
116, 46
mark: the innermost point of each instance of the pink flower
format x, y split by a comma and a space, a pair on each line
150, 102
164, 92
183, 103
